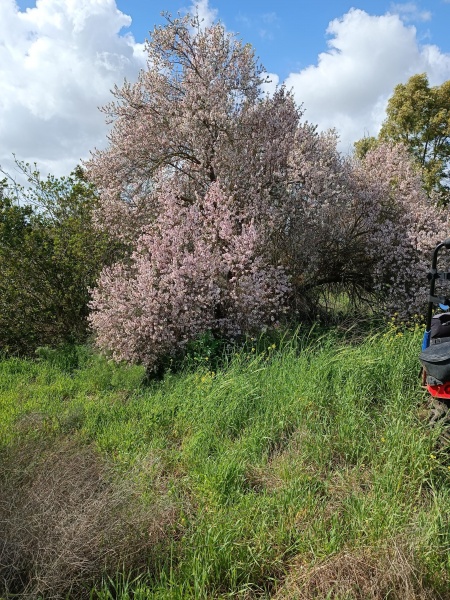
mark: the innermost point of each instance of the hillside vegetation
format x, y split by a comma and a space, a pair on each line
294, 468
205, 453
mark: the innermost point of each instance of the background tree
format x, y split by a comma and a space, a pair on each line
419, 117
50, 254
237, 215
364, 145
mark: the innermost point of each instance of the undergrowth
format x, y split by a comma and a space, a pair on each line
295, 467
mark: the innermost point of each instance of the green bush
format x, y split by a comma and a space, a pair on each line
50, 255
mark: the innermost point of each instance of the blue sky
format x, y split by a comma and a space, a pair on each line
59, 59
288, 35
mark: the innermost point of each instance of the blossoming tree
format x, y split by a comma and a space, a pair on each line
236, 214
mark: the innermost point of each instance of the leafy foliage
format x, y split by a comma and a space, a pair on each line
364, 145
50, 254
418, 116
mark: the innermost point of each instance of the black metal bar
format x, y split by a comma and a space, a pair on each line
444, 275
433, 283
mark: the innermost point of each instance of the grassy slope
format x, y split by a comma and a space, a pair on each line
289, 473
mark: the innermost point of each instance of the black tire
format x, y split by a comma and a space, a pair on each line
439, 415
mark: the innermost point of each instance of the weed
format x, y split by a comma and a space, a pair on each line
66, 520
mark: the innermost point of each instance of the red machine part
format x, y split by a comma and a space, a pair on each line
440, 391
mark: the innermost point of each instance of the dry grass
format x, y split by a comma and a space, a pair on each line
359, 575
65, 521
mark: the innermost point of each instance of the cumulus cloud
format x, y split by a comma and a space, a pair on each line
58, 63
368, 55
207, 15
60, 59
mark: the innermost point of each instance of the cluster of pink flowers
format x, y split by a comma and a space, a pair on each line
238, 215
405, 226
196, 268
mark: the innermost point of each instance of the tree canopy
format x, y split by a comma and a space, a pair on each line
419, 117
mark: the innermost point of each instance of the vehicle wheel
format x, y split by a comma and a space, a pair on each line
439, 415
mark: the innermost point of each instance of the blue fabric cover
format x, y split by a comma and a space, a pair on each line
426, 340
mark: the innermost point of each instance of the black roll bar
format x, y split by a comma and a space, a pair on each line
432, 276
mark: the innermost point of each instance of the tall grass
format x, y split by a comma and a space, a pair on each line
298, 469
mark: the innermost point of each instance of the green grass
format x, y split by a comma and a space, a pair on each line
281, 463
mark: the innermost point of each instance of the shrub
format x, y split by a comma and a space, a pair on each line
50, 254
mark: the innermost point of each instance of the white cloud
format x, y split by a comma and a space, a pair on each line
368, 55
271, 80
270, 17
58, 63
265, 34
207, 15
410, 12
241, 18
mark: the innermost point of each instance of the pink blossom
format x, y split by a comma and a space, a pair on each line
237, 215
